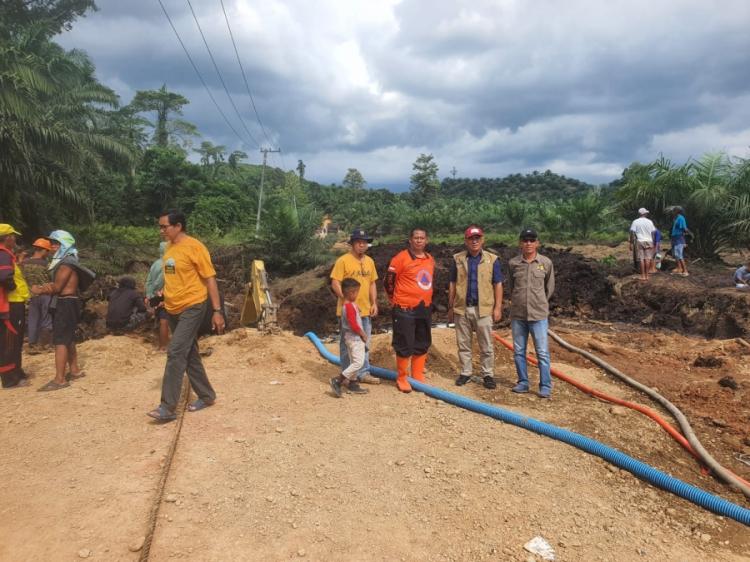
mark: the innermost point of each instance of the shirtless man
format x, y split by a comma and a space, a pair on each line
67, 310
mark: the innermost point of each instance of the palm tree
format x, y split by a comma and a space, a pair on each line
50, 110
166, 104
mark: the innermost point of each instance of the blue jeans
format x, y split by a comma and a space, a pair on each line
538, 330
344, 354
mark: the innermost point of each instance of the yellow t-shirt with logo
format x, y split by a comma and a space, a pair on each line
187, 265
364, 272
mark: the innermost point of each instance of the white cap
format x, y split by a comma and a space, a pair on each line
643, 211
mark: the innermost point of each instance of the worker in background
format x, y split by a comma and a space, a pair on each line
189, 289
66, 281
409, 287
678, 233
155, 297
642, 240
356, 264
39, 323
126, 309
742, 277
475, 301
532, 281
13, 294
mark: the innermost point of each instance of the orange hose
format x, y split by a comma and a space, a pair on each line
676, 435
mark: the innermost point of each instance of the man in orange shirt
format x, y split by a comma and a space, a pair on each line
409, 287
189, 288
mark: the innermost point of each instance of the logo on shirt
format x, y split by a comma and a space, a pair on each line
169, 266
424, 279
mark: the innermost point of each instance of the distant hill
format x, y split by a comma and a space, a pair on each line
534, 186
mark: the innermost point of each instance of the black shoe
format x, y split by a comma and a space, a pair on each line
336, 387
462, 380
354, 388
489, 382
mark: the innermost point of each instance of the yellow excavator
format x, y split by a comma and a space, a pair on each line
258, 307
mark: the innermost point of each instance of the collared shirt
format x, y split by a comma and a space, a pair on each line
364, 271
472, 287
532, 284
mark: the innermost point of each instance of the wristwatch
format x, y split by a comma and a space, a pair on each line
217, 310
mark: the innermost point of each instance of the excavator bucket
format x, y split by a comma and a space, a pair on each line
259, 308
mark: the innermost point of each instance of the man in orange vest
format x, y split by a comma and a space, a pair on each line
409, 287
13, 296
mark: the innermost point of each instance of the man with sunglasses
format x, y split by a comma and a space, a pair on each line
189, 289
475, 301
532, 281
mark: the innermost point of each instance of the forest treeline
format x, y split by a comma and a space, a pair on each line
72, 153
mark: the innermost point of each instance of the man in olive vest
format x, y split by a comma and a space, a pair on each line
475, 301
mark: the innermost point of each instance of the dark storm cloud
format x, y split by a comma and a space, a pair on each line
493, 84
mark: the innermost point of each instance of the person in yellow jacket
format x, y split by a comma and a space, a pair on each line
13, 296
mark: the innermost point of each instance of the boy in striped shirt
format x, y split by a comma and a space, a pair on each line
353, 335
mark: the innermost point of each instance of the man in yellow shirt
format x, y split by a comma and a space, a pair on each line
356, 264
189, 289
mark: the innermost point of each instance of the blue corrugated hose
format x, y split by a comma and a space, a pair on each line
643, 471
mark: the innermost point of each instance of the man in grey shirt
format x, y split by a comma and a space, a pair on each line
532, 282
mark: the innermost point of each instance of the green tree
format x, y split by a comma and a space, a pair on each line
235, 158
424, 180
353, 179
301, 170
585, 213
50, 112
51, 16
166, 104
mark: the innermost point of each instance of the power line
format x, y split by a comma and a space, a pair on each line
218, 73
200, 76
244, 77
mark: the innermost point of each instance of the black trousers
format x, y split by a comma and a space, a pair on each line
11, 346
412, 333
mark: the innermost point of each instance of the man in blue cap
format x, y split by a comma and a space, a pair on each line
356, 264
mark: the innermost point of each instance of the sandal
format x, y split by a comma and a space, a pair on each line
73, 377
162, 414
52, 385
199, 405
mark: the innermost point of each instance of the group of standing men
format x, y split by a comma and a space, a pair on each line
645, 239
475, 299
46, 286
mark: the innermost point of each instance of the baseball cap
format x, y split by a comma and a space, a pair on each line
359, 234
42, 243
473, 231
643, 211
528, 234
6, 229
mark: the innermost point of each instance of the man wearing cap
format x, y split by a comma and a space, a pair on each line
35, 272
14, 292
532, 281
356, 264
475, 300
642, 240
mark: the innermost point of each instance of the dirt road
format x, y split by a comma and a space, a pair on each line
279, 469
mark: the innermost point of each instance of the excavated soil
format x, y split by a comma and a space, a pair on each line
279, 469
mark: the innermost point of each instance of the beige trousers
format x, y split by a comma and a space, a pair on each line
466, 325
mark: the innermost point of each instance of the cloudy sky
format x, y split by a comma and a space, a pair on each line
492, 87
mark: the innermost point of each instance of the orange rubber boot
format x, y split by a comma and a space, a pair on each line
417, 366
403, 371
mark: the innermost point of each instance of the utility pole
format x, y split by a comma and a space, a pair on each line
265, 152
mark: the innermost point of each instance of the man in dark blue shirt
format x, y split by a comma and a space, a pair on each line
475, 301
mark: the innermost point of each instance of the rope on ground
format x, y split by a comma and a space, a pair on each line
728, 477
154, 514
